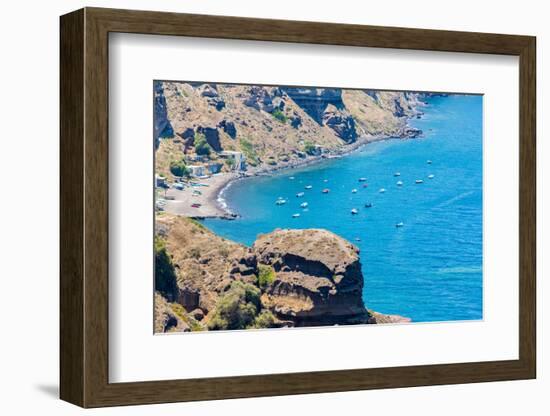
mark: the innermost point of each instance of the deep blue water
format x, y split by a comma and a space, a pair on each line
431, 268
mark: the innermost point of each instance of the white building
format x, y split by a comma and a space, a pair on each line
196, 170
238, 159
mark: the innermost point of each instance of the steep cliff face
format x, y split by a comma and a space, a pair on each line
272, 126
301, 277
162, 126
318, 277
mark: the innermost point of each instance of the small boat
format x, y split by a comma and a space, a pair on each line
303, 205
295, 215
368, 205
195, 205
431, 176
354, 191
325, 180
354, 211
399, 224
419, 181
280, 201
362, 179
382, 190
325, 191
308, 186
397, 174
291, 178
357, 239
399, 183
429, 162
365, 185
196, 193
299, 194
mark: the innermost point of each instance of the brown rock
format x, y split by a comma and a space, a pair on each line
318, 277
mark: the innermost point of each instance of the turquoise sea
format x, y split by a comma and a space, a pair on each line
430, 269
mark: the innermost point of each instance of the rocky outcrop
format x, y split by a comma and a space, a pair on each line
341, 122
188, 136
305, 277
162, 126
314, 101
166, 319
212, 137
259, 98
318, 277
229, 128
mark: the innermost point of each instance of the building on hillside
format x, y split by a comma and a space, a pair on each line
197, 170
238, 159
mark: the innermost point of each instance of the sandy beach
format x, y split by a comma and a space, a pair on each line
180, 201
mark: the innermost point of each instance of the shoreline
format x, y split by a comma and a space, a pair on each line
212, 201
226, 213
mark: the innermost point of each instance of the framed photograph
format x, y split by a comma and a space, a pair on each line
263, 207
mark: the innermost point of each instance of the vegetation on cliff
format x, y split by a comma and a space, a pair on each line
288, 278
270, 126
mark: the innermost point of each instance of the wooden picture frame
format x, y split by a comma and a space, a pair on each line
84, 207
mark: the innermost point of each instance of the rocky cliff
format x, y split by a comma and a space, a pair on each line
273, 126
318, 278
287, 278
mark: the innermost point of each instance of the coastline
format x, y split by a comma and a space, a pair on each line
220, 204
212, 202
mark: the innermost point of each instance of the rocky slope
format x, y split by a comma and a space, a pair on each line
273, 126
287, 278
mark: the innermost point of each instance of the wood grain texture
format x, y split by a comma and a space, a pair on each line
71, 217
85, 219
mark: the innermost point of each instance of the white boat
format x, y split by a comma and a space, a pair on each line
295, 215
303, 205
354, 191
397, 174
354, 211
399, 183
399, 224
429, 162
299, 194
280, 201
419, 181
308, 187
362, 179
291, 178
325, 180
431, 176
382, 190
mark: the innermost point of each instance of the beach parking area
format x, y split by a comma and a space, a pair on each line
199, 200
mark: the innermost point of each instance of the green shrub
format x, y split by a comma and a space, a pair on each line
279, 115
179, 168
266, 275
249, 152
201, 145
264, 320
237, 308
310, 148
165, 276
